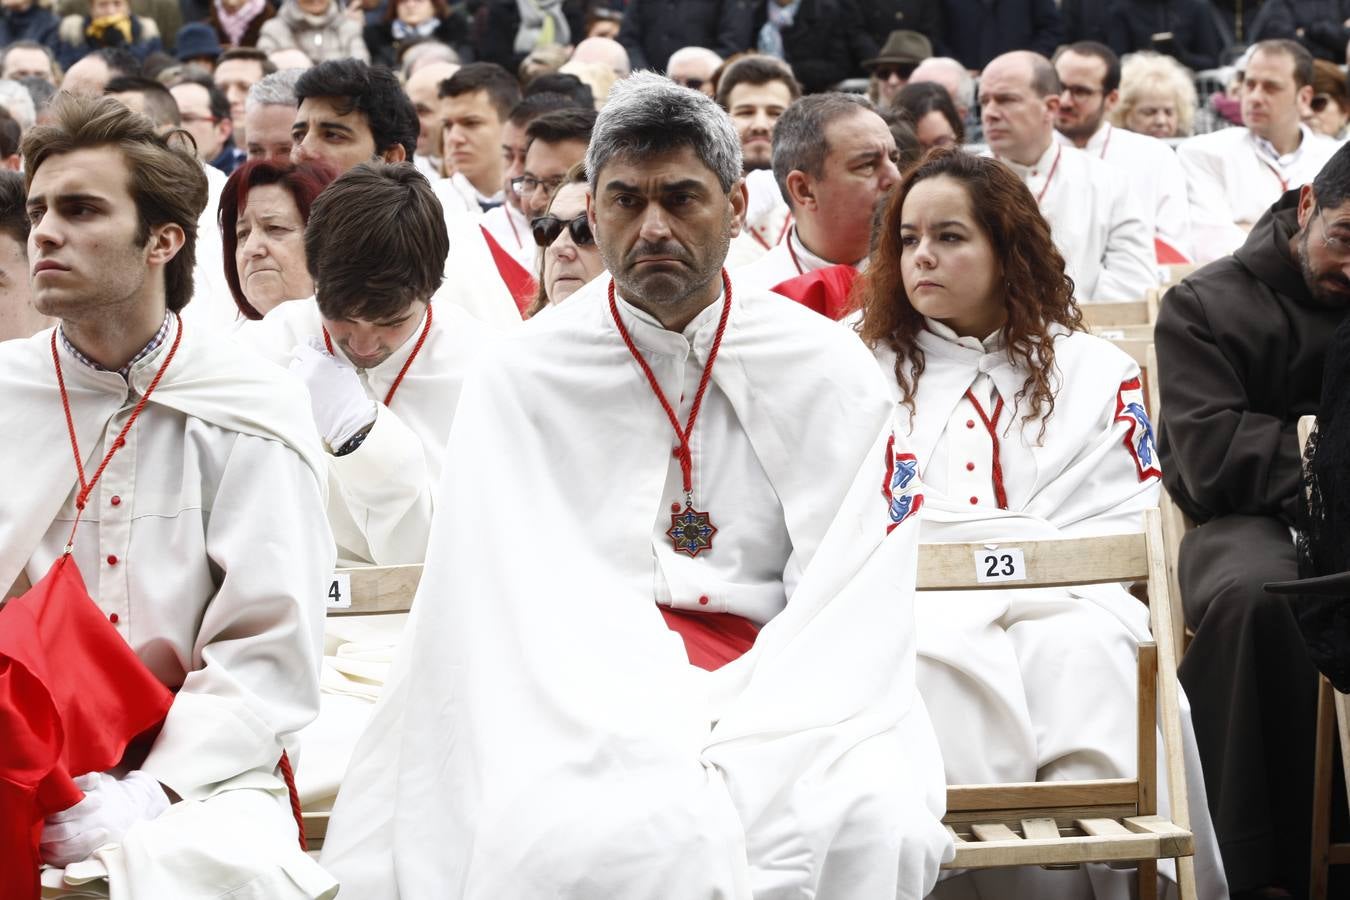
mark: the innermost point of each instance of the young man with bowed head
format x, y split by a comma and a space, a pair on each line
834, 160
1234, 174
1103, 232
382, 366
149, 491
717, 697
1089, 75
756, 91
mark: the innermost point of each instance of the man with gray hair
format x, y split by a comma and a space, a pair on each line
834, 160
959, 84
693, 67
700, 683
269, 112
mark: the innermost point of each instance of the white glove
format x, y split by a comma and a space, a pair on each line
110, 806
341, 407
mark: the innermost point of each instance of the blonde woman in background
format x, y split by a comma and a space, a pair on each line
1157, 96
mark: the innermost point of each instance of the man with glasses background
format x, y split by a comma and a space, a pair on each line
1241, 345
1089, 74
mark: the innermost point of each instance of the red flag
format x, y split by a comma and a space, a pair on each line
519, 282
824, 290
73, 695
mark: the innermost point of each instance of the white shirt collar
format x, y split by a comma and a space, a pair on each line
1266, 149
1040, 168
1096, 144
808, 261
990, 344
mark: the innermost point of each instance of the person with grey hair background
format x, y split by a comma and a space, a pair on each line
835, 161
269, 112
552, 730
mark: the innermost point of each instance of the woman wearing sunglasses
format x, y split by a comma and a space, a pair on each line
568, 257
1329, 109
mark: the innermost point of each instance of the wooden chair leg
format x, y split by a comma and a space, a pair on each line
1186, 889
1321, 800
1148, 879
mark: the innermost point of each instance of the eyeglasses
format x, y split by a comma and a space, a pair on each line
1079, 92
901, 71
546, 230
1337, 246
695, 83
1320, 101
528, 184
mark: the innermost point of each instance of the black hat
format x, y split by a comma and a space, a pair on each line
196, 40
902, 47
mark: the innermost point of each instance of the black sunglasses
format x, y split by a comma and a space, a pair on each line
547, 228
1319, 102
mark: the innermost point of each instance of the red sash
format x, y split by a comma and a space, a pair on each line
825, 290
519, 282
711, 639
73, 695
1166, 254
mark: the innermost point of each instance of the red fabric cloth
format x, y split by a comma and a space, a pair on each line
1167, 254
73, 694
711, 639
518, 281
824, 290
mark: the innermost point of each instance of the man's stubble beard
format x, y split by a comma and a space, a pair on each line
639, 292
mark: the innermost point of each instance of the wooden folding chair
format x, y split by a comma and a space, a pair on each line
362, 591
1115, 313
1054, 823
1333, 719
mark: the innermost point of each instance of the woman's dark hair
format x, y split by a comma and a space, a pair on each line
304, 182
919, 99
1037, 292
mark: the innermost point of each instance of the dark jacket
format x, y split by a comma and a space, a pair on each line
1320, 21
654, 29
250, 38
1084, 20
1235, 19
1241, 345
978, 30
1195, 40
881, 17
825, 44
33, 24
385, 48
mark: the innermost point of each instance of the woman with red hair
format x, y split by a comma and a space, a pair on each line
263, 211
1024, 427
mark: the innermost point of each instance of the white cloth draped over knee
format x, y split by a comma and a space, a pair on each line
1030, 685
543, 733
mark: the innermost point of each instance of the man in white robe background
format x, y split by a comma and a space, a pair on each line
755, 92
834, 160
1102, 230
1233, 175
545, 733
474, 105
1089, 75
222, 608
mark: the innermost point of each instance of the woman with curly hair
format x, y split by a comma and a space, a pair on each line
1023, 427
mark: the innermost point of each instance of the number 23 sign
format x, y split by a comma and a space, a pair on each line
994, 565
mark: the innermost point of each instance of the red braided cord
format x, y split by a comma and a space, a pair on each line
417, 348
1000, 495
289, 777
686, 455
120, 441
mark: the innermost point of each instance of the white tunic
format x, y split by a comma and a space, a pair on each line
1016, 679
223, 604
767, 219
457, 196
1102, 230
212, 308
1155, 175
472, 279
379, 499
788, 259
1233, 177
544, 734
511, 229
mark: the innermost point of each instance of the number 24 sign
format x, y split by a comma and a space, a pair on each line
993, 564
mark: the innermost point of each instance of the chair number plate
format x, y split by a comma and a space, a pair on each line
1000, 565
339, 594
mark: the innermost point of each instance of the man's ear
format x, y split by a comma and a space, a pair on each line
740, 200
1110, 100
164, 243
395, 154
1304, 97
1307, 202
800, 191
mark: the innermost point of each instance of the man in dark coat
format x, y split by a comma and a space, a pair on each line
1182, 29
1319, 25
826, 42
1241, 345
979, 30
654, 29
881, 17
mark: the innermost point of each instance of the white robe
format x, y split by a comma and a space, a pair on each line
457, 196
1233, 177
1155, 175
1103, 231
472, 280
511, 228
225, 607
212, 309
544, 734
1016, 679
788, 259
767, 219
379, 497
